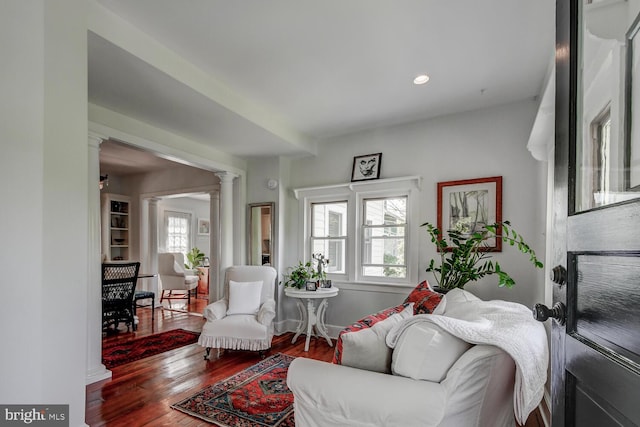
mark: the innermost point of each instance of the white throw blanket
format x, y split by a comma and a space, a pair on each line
506, 325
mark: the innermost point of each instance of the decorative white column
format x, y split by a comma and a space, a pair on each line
153, 247
226, 223
215, 289
240, 224
96, 371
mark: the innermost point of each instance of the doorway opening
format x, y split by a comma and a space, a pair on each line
156, 187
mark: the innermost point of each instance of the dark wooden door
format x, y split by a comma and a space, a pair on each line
596, 352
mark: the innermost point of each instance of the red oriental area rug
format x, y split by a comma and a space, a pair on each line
119, 353
255, 397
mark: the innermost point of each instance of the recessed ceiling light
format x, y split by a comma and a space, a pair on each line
421, 79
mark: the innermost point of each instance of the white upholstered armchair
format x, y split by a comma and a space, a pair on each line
243, 319
173, 276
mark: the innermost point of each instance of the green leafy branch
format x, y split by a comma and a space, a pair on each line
465, 257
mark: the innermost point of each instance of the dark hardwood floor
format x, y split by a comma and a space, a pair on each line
140, 393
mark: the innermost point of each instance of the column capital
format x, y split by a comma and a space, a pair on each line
226, 176
95, 139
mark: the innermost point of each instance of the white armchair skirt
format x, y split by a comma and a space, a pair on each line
236, 332
230, 327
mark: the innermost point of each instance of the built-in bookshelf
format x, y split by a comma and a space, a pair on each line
115, 226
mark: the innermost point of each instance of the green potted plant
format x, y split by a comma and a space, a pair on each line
194, 259
298, 276
464, 257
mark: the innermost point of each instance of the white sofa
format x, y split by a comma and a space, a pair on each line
478, 391
475, 384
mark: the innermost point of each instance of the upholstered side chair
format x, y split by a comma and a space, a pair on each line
174, 277
243, 318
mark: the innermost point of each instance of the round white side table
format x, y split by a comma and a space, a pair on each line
309, 316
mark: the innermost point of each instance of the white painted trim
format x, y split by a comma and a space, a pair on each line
290, 326
162, 143
541, 138
99, 374
184, 190
374, 185
386, 288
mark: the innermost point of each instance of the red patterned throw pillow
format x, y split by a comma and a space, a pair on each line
424, 299
364, 323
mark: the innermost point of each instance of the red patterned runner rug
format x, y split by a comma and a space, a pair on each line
119, 353
255, 397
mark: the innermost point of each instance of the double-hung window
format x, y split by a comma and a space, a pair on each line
364, 229
177, 226
329, 233
384, 237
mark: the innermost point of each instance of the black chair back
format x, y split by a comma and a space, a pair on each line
118, 288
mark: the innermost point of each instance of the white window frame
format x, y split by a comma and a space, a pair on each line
342, 237
362, 227
355, 193
165, 231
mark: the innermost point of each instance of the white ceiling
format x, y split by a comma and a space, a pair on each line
121, 159
284, 75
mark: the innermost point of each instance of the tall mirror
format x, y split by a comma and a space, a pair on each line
261, 225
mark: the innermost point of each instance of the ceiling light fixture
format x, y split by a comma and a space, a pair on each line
421, 79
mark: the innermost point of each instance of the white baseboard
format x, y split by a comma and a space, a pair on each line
290, 325
98, 374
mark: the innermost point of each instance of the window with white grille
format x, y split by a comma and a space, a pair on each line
383, 237
329, 233
367, 230
177, 227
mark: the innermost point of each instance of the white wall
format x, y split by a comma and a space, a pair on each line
476, 144
43, 186
259, 172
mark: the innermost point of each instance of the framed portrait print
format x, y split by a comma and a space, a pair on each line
469, 205
366, 167
203, 227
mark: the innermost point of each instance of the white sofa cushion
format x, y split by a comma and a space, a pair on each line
244, 297
453, 298
367, 349
242, 326
238, 331
328, 395
426, 352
